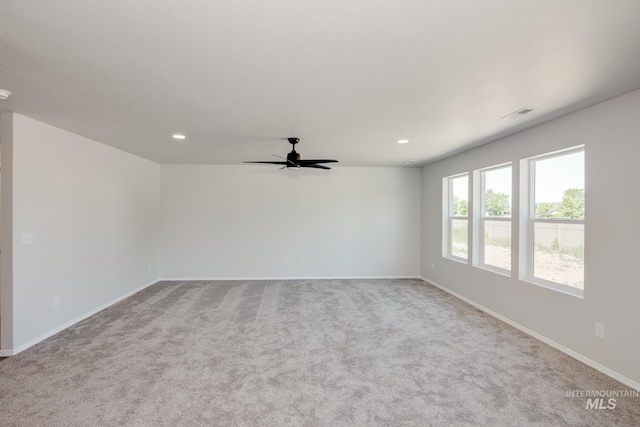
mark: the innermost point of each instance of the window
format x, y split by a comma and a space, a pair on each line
456, 227
555, 208
494, 223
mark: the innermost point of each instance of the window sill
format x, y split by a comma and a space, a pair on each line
496, 270
567, 290
456, 259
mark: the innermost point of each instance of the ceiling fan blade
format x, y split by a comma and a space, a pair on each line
270, 163
293, 161
283, 158
310, 162
315, 166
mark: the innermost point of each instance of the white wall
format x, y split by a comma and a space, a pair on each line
244, 221
611, 132
93, 213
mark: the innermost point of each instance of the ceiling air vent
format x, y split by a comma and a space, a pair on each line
518, 113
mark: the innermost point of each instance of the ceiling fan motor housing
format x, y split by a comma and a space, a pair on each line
293, 157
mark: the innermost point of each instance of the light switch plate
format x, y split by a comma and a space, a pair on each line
27, 238
599, 332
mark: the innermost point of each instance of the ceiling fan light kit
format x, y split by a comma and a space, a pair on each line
294, 162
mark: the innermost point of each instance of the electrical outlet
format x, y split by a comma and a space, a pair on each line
599, 330
149, 267
301, 262
56, 302
286, 261
433, 267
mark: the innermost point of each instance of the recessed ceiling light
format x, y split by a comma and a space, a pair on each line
178, 136
409, 162
4, 94
403, 141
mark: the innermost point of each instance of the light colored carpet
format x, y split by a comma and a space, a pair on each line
278, 353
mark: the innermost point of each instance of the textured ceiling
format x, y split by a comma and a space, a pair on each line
348, 77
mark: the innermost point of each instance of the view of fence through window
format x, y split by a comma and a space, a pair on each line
558, 223
496, 217
459, 216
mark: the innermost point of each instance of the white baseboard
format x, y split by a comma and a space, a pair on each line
23, 347
595, 365
199, 279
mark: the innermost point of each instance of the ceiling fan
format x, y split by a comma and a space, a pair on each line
293, 160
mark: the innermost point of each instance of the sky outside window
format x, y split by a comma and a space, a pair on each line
557, 174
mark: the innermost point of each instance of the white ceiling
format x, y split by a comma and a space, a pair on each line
348, 77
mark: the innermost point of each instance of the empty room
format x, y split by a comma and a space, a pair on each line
320, 213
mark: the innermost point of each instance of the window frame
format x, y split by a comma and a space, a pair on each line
528, 273
448, 218
480, 177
